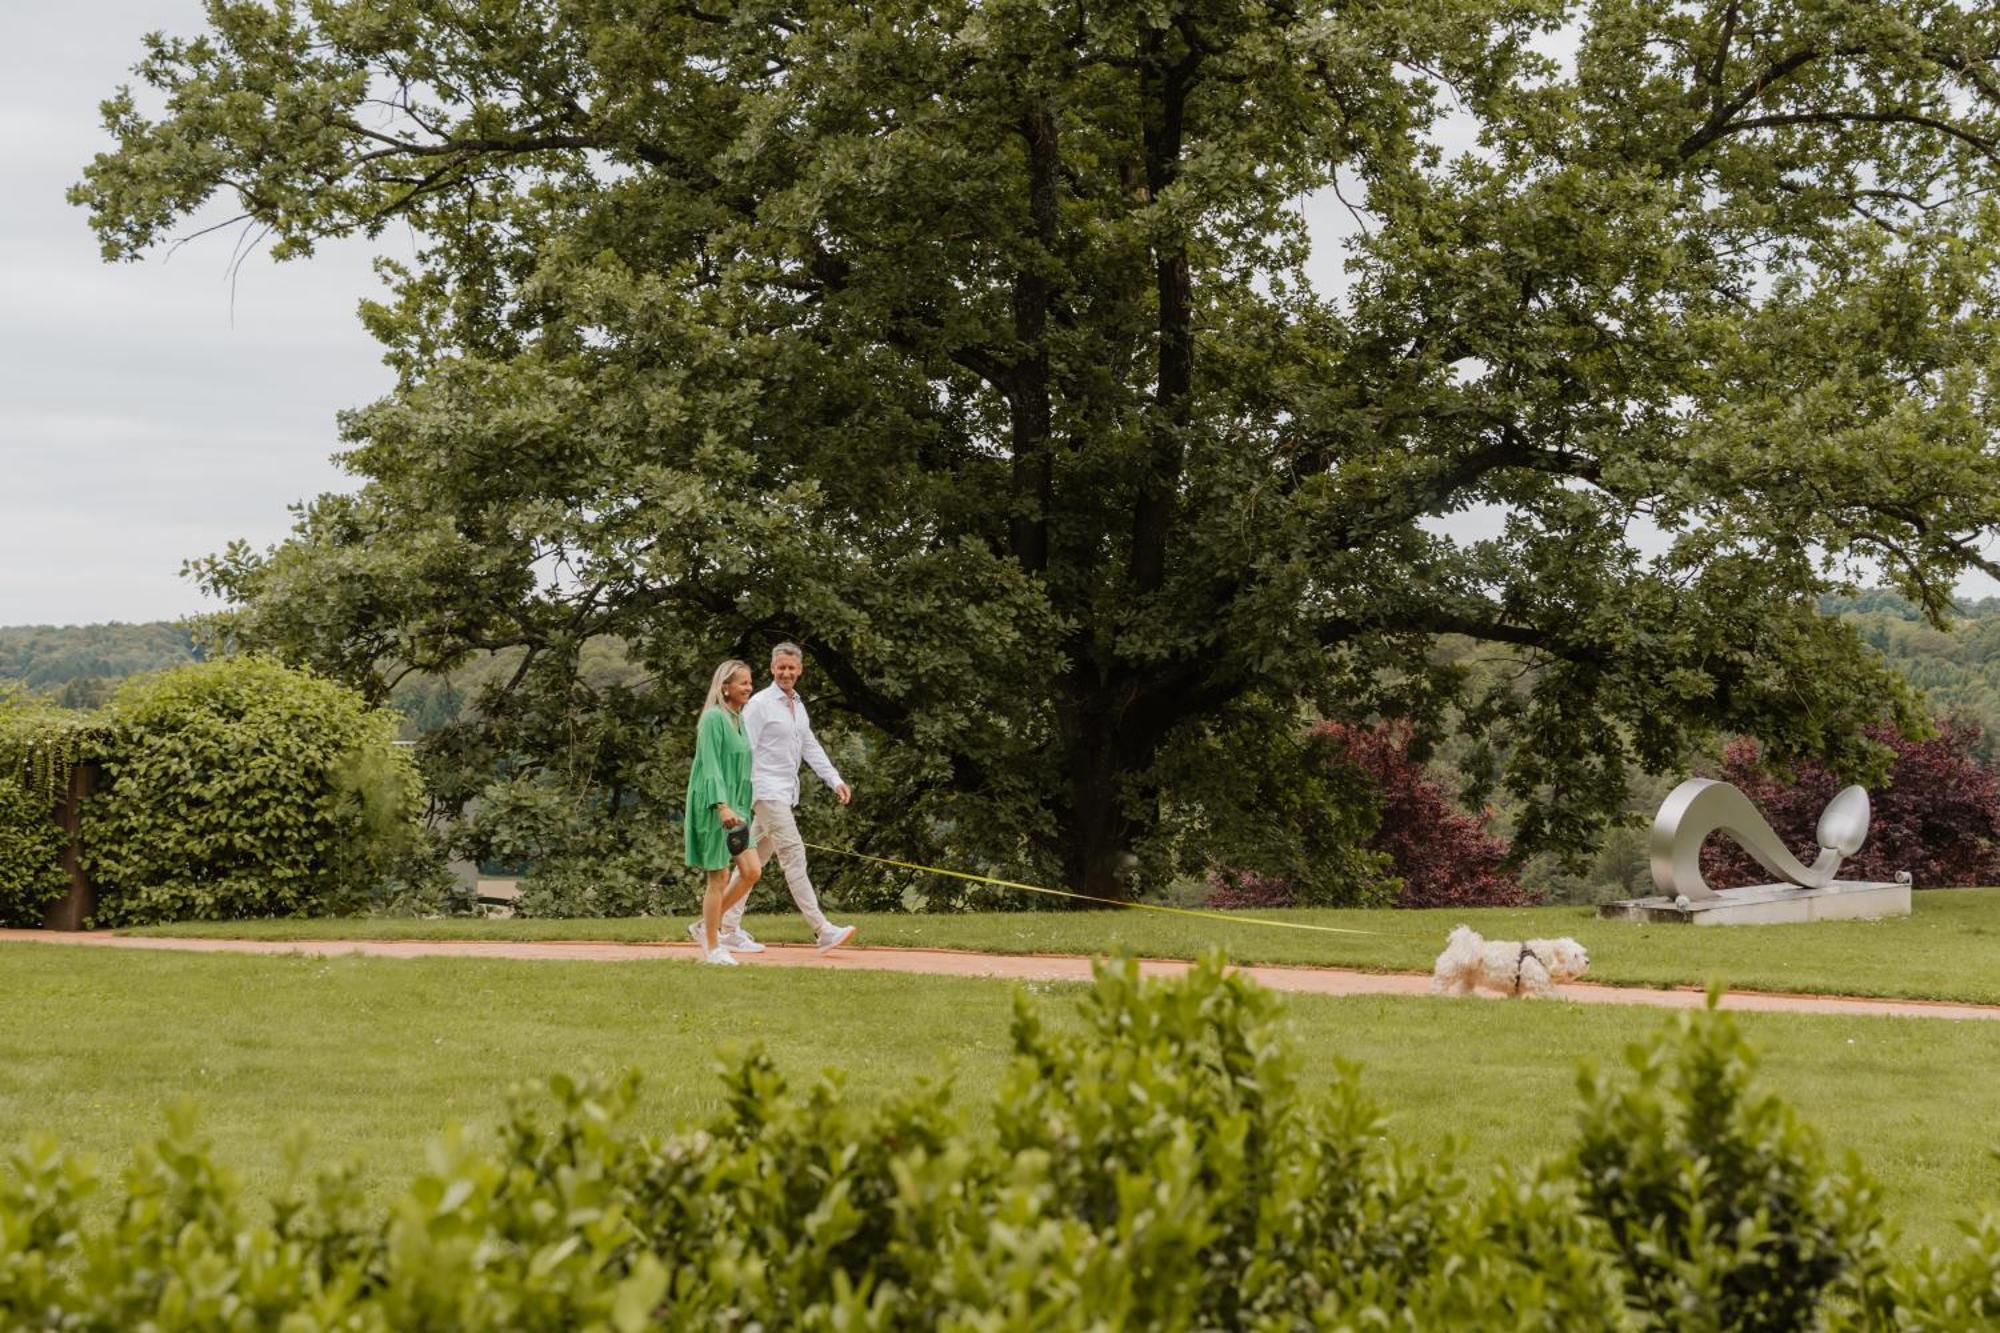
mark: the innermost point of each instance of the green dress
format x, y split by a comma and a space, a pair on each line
720, 773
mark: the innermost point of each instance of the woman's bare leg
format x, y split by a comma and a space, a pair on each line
711, 906
749, 869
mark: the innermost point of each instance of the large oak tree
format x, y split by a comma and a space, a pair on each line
973, 344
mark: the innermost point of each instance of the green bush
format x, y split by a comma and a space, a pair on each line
616, 886
31, 847
1153, 1166
420, 882
580, 862
1716, 1197
38, 747
1956, 1291
243, 788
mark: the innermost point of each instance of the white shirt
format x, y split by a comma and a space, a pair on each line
780, 736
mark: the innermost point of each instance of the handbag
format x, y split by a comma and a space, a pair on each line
738, 838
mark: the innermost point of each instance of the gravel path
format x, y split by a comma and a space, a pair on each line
1018, 967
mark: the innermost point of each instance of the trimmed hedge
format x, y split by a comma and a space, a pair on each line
1154, 1166
245, 788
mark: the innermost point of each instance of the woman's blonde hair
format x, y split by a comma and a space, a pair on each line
721, 678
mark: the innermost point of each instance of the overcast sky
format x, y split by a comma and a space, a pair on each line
145, 417
148, 414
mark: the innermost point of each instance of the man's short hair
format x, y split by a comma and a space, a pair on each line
788, 649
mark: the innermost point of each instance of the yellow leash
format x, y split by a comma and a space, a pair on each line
1230, 917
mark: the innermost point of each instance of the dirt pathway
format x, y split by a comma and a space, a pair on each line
1018, 967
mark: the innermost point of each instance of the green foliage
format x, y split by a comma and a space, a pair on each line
419, 881
39, 746
619, 887
582, 859
431, 701
1622, 865
1952, 1291
975, 343
78, 662
241, 787
1153, 1165
1955, 664
1172, 1122
1300, 814
1716, 1196
31, 847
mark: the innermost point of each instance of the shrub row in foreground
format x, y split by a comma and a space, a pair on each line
1154, 1166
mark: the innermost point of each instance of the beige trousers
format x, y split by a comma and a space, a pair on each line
775, 830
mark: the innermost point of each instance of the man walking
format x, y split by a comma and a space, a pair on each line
780, 736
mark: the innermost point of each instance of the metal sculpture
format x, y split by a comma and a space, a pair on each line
1700, 806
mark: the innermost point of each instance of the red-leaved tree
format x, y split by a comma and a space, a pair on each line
1939, 817
1444, 856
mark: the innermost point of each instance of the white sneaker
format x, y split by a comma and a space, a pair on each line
739, 941
721, 958
699, 935
834, 936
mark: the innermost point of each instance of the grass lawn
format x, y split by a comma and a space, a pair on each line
379, 1055
1949, 949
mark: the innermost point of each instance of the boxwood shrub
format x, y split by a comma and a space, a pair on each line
1153, 1166
244, 788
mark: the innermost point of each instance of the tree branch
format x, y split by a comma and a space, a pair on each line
861, 697
1988, 147
1717, 123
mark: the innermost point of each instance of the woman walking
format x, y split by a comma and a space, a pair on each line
718, 804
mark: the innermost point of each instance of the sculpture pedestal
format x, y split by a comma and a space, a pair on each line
1770, 905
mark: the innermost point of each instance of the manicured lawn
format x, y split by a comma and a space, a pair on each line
1948, 949
380, 1055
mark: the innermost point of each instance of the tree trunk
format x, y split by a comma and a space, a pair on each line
76, 907
1110, 749
1028, 387
1097, 835
1165, 90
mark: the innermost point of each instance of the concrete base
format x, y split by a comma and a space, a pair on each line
1770, 905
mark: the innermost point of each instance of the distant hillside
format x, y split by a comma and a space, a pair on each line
1958, 670
79, 665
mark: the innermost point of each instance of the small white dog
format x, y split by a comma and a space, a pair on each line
1508, 966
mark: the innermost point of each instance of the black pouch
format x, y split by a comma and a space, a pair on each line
738, 838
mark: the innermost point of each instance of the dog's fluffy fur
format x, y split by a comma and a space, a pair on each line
1508, 966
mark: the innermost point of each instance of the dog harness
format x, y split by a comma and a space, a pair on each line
1521, 962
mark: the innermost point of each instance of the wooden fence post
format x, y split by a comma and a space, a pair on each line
77, 906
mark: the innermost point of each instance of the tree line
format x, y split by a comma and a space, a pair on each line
78, 664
